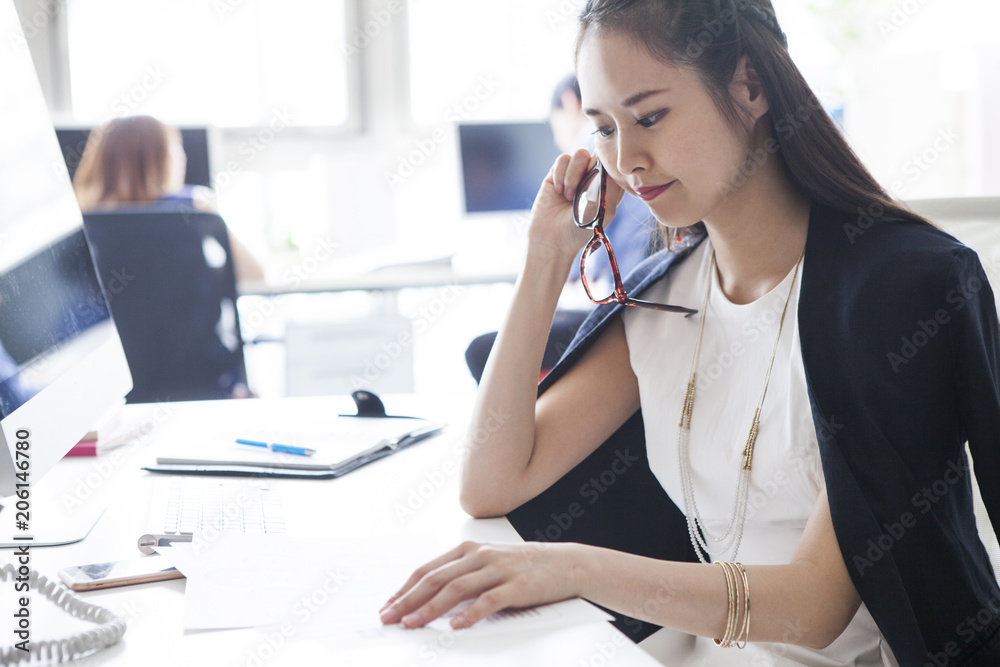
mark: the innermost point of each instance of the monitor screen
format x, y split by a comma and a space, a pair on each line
47, 302
503, 164
72, 141
62, 367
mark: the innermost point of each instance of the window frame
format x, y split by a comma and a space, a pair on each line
53, 51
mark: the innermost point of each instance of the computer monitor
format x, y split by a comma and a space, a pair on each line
503, 164
196, 142
62, 367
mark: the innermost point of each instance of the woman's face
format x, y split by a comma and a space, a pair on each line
659, 134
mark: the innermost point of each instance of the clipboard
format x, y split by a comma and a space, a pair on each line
376, 436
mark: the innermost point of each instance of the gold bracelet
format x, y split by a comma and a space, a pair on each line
729, 608
737, 634
744, 634
731, 582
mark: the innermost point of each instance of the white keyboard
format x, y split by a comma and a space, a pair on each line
183, 505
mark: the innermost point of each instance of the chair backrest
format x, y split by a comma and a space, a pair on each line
169, 279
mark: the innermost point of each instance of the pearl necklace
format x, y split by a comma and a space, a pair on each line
705, 544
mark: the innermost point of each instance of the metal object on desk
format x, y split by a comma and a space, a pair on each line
147, 543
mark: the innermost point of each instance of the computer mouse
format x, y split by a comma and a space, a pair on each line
370, 405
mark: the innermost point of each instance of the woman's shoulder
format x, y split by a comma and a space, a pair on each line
873, 250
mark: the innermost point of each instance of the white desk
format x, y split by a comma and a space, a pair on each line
361, 504
390, 279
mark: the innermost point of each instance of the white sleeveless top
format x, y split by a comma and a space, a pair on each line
787, 475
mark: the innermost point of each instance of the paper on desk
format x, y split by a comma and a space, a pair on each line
557, 614
337, 440
236, 580
322, 588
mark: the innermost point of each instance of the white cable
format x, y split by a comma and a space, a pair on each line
110, 627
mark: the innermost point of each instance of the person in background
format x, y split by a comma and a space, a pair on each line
632, 233
139, 160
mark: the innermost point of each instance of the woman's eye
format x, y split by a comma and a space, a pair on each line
604, 132
650, 120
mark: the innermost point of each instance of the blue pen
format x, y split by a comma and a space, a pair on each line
275, 447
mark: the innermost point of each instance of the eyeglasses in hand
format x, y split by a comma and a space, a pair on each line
589, 205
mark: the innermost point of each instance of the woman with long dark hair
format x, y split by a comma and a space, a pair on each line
804, 368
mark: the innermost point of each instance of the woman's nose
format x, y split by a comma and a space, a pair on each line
632, 154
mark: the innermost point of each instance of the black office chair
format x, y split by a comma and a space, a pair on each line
564, 326
169, 279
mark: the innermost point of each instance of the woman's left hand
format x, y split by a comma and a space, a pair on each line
495, 576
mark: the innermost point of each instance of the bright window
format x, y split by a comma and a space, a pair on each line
227, 63
488, 60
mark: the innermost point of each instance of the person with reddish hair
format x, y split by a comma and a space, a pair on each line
137, 160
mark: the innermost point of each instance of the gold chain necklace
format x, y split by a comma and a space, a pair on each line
700, 537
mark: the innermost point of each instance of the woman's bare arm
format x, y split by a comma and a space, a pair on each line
808, 602
520, 444
538, 441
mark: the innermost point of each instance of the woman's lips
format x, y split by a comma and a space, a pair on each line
649, 194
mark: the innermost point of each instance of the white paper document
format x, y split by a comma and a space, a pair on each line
325, 588
338, 442
557, 614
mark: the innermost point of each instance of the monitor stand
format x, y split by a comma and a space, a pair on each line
55, 517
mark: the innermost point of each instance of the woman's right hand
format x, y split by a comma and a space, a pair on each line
552, 229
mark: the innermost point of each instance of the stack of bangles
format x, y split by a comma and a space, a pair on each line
737, 633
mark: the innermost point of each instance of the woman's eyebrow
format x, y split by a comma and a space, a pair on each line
630, 101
